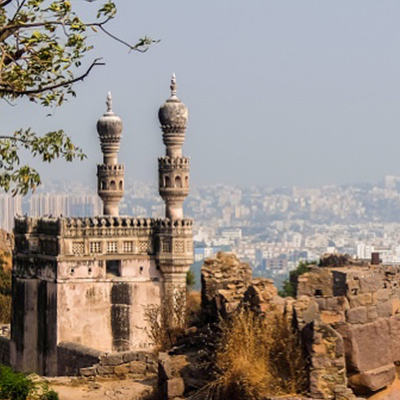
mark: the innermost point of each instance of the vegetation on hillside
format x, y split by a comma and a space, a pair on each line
289, 288
257, 358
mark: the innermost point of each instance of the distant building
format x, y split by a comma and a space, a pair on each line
66, 205
9, 207
232, 233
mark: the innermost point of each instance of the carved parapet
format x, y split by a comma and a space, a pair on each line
173, 163
108, 169
25, 225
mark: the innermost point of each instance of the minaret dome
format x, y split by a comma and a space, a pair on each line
173, 114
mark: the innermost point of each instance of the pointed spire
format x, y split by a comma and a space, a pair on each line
109, 103
174, 87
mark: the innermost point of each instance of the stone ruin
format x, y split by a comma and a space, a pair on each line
347, 312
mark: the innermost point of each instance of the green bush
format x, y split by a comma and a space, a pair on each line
50, 395
14, 385
289, 288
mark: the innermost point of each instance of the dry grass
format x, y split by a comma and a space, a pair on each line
5, 287
257, 358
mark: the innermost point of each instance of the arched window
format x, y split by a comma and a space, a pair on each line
113, 186
121, 185
167, 182
187, 182
103, 185
178, 182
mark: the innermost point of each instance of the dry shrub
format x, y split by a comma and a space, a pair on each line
166, 322
257, 357
5, 288
193, 308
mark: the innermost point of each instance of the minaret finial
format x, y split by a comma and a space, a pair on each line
174, 86
109, 103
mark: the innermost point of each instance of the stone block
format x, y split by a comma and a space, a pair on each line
372, 313
164, 367
141, 355
151, 368
173, 388
337, 304
129, 356
91, 371
363, 299
332, 317
395, 306
381, 295
375, 379
112, 359
137, 367
105, 370
122, 369
357, 315
370, 284
384, 309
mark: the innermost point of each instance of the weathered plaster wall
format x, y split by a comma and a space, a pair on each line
108, 316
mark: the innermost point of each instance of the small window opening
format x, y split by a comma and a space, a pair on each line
141, 270
318, 292
178, 182
113, 267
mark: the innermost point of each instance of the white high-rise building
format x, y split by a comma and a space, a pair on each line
9, 207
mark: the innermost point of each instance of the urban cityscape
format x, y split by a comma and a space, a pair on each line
272, 229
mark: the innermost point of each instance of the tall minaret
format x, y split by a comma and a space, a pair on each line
173, 168
110, 174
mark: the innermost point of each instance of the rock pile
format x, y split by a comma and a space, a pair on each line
224, 280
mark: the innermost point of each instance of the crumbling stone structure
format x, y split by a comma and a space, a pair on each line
348, 315
87, 281
362, 304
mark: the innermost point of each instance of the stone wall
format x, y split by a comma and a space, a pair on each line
362, 304
224, 280
75, 360
126, 364
72, 357
313, 315
4, 350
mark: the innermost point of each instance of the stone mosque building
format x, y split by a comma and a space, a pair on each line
86, 282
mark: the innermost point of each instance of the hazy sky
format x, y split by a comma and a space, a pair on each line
280, 92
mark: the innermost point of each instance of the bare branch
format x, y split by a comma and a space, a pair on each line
116, 38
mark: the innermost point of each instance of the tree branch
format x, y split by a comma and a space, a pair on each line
135, 48
5, 2
56, 86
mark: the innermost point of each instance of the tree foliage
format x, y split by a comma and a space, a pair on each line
289, 288
43, 45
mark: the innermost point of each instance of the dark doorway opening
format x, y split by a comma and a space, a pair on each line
113, 267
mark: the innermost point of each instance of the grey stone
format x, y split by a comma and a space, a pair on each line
385, 309
174, 388
357, 315
91, 371
374, 380
112, 359
105, 370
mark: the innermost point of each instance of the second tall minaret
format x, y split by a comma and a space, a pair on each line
173, 168
110, 174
